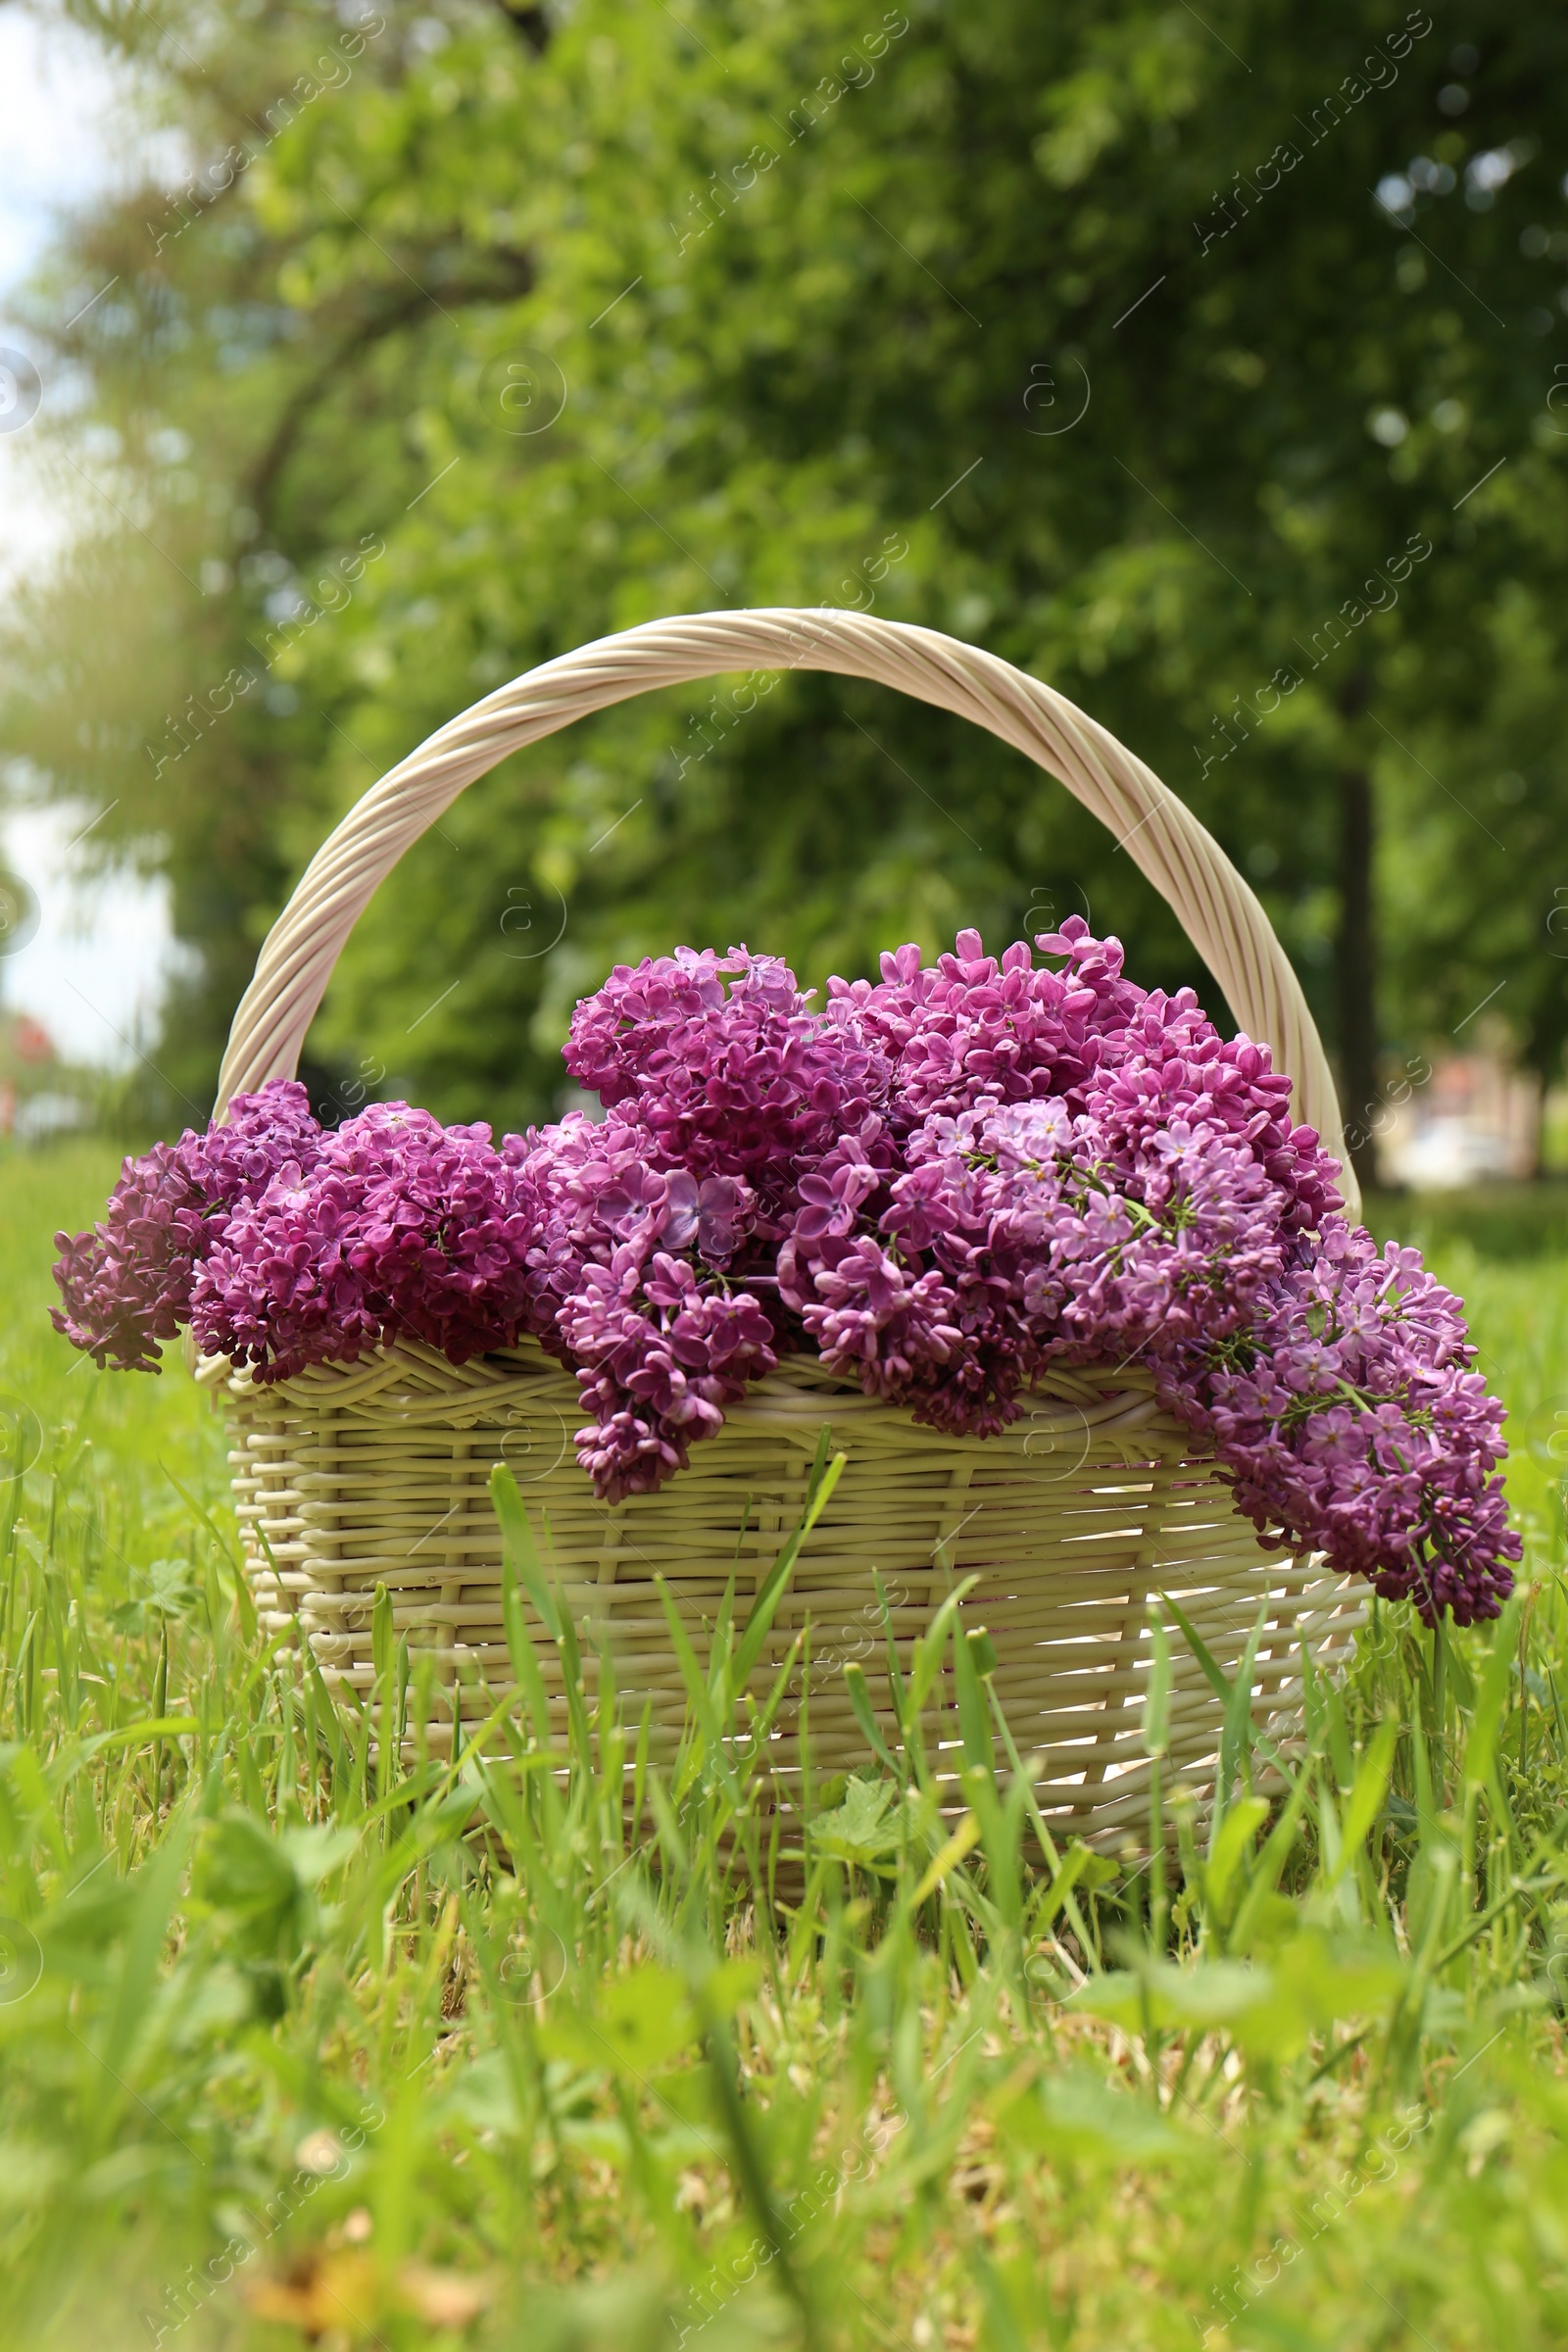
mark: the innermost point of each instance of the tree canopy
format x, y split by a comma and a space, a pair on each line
1214, 368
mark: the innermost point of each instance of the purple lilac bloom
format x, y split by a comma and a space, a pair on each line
946, 1181
630, 1276
127, 1284
1350, 1417
739, 1080
400, 1227
973, 1026
660, 1354
277, 1290
1028, 1233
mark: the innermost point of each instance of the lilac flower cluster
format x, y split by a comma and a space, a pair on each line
127, 1284
399, 1225
721, 1061
944, 1182
282, 1243
1353, 1414
633, 1266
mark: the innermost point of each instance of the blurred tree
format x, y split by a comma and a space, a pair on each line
1203, 365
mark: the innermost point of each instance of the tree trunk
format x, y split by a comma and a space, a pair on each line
1358, 974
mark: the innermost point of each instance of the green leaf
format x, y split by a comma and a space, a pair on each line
157, 1888
974, 1715
1235, 1740
825, 1477
242, 1868
1075, 2115
643, 2019
1491, 1696
933, 1642
982, 1651
1194, 1641
1051, 1899
132, 1734
1315, 1980
383, 1639
316, 1849
860, 1703
1156, 1703
1233, 1837
521, 1550
1270, 2011
864, 1827
1212, 1994
1259, 1909
1367, 1794
714, 1751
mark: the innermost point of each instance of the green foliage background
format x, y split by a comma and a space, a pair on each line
824, 287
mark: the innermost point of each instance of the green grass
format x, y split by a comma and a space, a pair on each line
291, 2051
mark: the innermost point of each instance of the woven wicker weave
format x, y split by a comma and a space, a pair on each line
1073, 1520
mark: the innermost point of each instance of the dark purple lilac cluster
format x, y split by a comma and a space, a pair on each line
128, 1284
640, 1271
944, 1183
398, 1226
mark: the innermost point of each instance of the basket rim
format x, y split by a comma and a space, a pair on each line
799, 1371
1087, 1405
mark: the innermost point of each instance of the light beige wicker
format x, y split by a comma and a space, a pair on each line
1074, 1520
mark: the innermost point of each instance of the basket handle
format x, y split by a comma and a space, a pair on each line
1221, 917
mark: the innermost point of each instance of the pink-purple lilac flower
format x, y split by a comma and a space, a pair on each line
721, 1060
945, 1181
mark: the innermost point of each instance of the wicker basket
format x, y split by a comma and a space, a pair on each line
1092, 1505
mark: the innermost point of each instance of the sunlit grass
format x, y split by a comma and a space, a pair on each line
291, 2051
